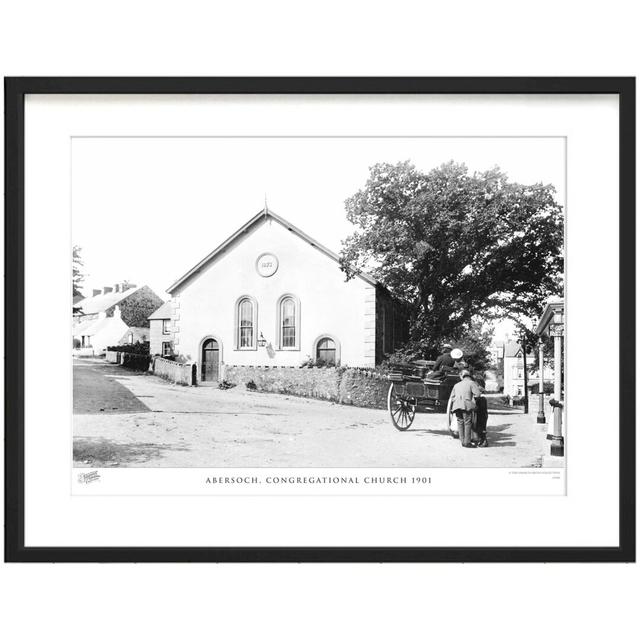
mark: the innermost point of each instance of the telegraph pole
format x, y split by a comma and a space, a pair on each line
526, 379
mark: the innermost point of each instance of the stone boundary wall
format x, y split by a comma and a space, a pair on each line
83, 352
364, 388
359, 387
114, 357
173, 371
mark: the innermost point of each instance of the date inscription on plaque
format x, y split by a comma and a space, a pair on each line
267, 264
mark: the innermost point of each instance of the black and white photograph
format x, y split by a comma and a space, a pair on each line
337, 306
318, 302
324, 315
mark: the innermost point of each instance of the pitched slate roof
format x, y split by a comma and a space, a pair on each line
545, 319
104, 301
512, 349
92, 327
263, 215
140, 334
163, 313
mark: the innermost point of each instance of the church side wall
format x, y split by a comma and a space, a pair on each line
391, 327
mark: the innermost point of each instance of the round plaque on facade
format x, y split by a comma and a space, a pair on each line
266, 264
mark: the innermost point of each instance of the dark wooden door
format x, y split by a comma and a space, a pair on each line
210, 361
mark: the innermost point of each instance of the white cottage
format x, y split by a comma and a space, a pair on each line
271, 295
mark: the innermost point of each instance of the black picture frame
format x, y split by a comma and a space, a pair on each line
15, 91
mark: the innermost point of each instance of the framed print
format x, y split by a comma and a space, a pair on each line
320, 319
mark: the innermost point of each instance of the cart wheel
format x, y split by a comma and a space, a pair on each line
402, 410
451, 422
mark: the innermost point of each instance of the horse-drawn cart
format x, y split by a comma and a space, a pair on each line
410, 388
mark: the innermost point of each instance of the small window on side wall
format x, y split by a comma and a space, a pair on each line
167, 349
166, 327
326, 351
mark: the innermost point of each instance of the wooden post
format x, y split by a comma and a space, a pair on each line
541, 419
526, 379
557, 441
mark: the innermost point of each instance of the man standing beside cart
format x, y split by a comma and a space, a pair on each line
464, 402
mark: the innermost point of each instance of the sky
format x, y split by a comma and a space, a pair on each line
148, 209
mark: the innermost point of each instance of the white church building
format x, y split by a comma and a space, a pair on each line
270, 295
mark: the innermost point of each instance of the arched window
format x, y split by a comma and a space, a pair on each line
288, 322
288, 317
246, 323
326, 351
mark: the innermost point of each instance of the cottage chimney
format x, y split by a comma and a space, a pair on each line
106, 290
128, 285
116, 287
96, 292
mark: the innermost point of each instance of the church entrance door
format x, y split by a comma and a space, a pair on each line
210, 360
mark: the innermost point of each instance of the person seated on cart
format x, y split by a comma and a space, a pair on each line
443, 364
465, 395
446, 363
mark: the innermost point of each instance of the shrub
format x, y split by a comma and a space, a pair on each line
548, 388
136, 362
251, 386
224, 385
310, 363
323, 363
139, 348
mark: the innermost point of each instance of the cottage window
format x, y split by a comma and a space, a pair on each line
246, 323
166, 349
131, 338
326, 351
165, 327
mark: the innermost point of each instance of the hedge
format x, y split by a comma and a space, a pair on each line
141, 348
136, 362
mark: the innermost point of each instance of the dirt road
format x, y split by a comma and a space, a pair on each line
131, 419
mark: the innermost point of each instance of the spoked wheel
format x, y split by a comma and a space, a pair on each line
452, 423
402, 410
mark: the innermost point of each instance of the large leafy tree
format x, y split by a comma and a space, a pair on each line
77, 275
459, 248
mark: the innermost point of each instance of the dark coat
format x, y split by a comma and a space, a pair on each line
444, 360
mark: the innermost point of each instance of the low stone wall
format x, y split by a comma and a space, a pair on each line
359, 387
83, 352
114, 356
364, 388
173, 371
